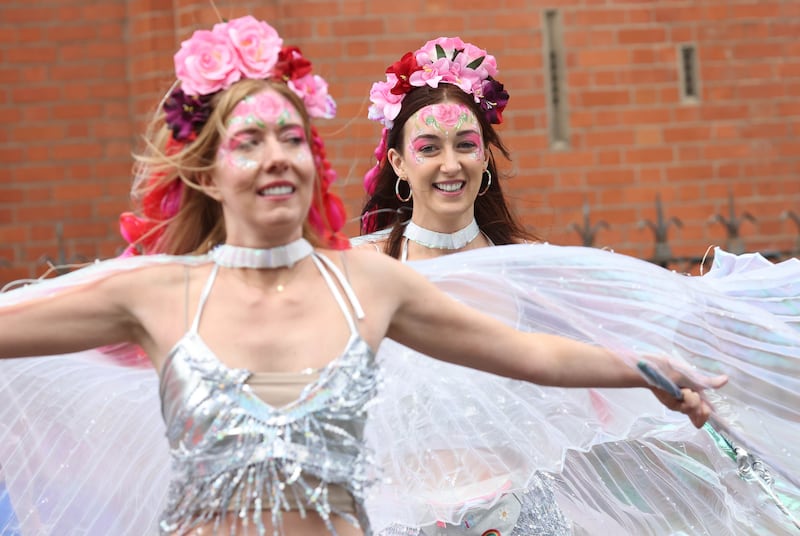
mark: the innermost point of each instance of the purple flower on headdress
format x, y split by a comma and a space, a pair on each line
494, 100
185, 114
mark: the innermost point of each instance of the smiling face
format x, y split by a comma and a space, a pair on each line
264, 171
442, 154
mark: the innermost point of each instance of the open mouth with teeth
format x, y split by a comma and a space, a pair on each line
277, 190
450, 187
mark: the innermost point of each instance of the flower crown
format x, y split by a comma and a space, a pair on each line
444, 60
213, 60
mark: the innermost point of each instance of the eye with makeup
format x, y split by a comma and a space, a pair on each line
424, 147
244, 141
430, 146
249, 140
293, 135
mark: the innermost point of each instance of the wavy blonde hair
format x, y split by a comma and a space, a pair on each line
198, 223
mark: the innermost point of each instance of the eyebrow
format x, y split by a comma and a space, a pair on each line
252, 128
437, 136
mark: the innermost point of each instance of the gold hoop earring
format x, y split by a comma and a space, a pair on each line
488, 183
397, 190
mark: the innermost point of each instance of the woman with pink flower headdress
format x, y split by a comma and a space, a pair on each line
445, 86
239, 315
466, 453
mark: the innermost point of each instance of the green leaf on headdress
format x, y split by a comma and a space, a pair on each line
440, 52
474, 64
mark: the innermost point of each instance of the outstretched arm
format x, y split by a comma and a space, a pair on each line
431, 322
74, 319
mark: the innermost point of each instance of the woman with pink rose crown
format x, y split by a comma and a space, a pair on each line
246, 321
464, 452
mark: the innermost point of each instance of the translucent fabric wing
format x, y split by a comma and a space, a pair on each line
82, 445
447, 435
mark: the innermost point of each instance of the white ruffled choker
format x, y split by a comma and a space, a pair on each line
435, 240
278, 257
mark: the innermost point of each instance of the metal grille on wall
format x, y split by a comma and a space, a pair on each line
662, 250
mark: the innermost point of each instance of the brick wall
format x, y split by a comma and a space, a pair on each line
78, 79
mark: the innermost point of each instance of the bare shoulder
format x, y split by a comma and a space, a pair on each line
375, 245
370, 260
366, 266
376, 241
143, 282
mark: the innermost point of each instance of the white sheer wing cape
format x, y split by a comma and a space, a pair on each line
449, 437
82, 446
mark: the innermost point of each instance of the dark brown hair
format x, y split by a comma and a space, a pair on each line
383, 209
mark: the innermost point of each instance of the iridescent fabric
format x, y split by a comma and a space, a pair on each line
233, 451
82, 444
622, 463
483, 507
532, 512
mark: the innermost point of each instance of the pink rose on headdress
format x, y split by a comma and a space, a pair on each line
385, 104
207, 62
314, 91
257, 43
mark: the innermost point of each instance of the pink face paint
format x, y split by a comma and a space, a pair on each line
248, 123
263, 108
445, 116
445, 120
475, 139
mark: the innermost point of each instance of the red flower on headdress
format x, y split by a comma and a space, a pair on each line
291, 64
403, 70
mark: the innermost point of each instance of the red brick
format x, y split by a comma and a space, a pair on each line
610, 177
607, 57
31, 54
691, 173
76, 151
595, 17
641, 35
762, 9
606, 98
687, 134
13, 15
37, 133
649, 155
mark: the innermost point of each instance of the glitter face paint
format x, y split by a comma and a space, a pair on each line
249, 123
438, 123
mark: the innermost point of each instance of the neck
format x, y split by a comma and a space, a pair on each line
436, 240
284, 256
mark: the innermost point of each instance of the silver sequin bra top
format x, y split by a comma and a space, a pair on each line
235, 455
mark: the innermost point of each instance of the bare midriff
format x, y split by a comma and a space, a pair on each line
293, 525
